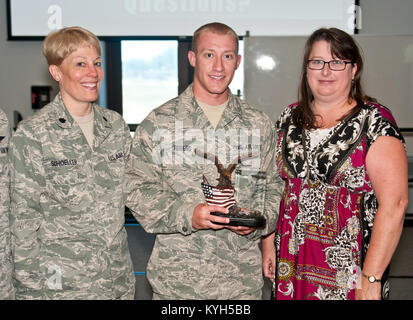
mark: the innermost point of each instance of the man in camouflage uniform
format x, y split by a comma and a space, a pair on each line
193, 257
6, 288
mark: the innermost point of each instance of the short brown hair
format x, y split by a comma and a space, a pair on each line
343, 46
59, 44
213, 27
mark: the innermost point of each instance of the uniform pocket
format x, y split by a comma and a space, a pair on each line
109, 171
116, 165
66, 181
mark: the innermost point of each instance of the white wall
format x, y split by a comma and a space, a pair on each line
393, 18
21, 66
386, 17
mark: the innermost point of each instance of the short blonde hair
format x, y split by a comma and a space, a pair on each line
59, 44
213, 27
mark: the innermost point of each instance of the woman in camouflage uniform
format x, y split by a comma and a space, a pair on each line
67, 204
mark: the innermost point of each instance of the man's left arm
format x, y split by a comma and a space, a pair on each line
274, 184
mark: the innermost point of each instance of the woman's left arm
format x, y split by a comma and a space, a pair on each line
386, 165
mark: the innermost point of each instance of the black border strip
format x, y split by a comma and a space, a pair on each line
8, 10
356, 3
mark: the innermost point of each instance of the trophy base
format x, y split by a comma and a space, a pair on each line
244, 220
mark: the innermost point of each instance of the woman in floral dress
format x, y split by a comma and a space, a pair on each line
343, 161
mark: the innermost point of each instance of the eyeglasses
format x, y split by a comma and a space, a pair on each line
335, 65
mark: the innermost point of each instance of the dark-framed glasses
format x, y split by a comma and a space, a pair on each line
335, 65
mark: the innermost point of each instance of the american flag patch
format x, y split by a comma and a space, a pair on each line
222, 197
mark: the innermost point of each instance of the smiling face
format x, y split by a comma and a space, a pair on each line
79, 76
329, 86
215, 61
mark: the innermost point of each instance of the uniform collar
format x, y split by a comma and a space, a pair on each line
61, 115
101, 124
65, 120
188, 108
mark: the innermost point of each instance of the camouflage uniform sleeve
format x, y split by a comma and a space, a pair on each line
274, 183
27, 182
157, 208
6, 287
127, 148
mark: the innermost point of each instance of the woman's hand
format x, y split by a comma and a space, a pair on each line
367, 290
268, 257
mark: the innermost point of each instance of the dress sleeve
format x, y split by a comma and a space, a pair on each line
279, 125
382, 123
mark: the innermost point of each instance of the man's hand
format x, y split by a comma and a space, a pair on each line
203, 219
242, 231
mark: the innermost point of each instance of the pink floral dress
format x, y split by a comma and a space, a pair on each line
328, 206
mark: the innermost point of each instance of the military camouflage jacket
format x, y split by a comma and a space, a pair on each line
164, 178
6, 288
67, 207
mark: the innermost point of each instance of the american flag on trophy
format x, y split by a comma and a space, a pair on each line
222, 197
